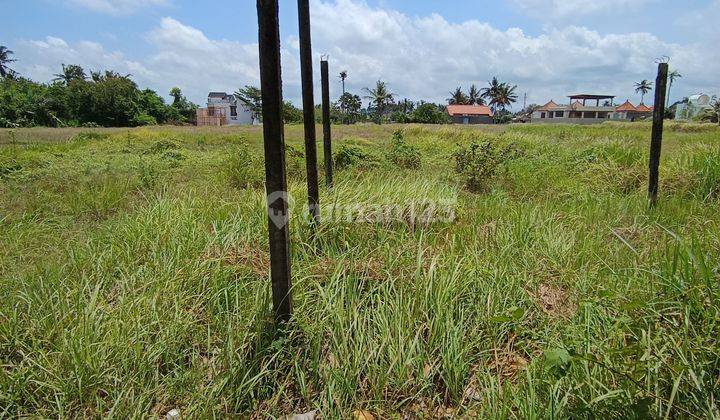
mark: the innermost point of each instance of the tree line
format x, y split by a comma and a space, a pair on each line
74, 98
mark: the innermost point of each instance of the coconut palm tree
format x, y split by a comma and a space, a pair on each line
343, 76
4, 60
643, 87
674, 75
506, 97
500, 94
380, 97
474, 96
69, 73
458, 97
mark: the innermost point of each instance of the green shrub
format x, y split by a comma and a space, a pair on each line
243, 169
479, 163
173, 157
353, 156
294, 163
148, 175
402, 154
143, 120
162, 146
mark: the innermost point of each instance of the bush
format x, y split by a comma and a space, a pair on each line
479, 163
402, 154
244, 170
430, 114
350, 156
162, 146
294, 163
143, 120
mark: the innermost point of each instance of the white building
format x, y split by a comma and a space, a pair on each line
695, 106
579, 111
224, 109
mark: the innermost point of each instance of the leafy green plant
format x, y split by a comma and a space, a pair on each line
148, 175
294, 162
402, 154
174, 158
162, 146
243, 169
353, 156
478, 163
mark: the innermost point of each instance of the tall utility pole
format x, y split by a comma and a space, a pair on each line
306, 70
274, 141
657, 132
327, 139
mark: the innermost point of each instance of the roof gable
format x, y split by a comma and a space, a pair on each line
626, 107
548, 106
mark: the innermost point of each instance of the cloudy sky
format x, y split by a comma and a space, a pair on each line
422, 48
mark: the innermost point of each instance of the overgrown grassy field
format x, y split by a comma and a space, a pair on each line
134, 276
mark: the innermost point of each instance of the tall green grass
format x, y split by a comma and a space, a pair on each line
134, 273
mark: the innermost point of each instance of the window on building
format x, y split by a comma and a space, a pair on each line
551, 114
558, 114
542, 115
233, 111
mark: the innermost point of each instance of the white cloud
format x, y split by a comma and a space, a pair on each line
117, 7
41, 59
419, 57
426, 57
561, 9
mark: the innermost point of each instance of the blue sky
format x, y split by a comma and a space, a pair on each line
422, 48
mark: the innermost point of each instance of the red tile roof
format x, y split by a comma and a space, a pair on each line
469, 110
626, 107
643, 108
548, 106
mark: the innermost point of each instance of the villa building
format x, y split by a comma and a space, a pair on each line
581, 110
223, 109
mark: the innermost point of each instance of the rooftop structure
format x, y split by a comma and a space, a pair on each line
470, 114
580, 112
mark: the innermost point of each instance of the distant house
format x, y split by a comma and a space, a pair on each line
579, 111
630, 112
694, 106
470, 114
224, 109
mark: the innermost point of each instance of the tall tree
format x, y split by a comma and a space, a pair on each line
251, 97
69, 73
458, 97
643, 87
343, 76
506, 97
672, 77
5, 59
500, 94
380, 97
351, 105
182, 105
474, 96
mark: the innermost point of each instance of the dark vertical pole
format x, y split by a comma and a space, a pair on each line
327, 139
306, 70
274, 140
657, 132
